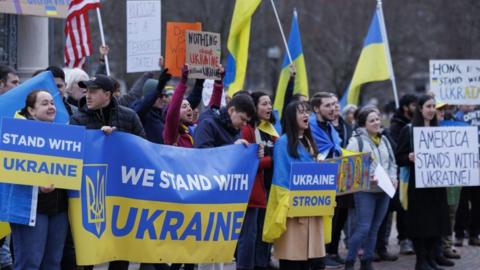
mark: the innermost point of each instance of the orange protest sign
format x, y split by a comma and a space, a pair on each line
175, 45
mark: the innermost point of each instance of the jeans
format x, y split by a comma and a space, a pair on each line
5, 256
251, 250
370, 209
40, 246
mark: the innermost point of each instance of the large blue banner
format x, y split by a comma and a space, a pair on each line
146, 202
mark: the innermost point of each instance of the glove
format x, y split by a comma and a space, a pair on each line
163, 80
184, 74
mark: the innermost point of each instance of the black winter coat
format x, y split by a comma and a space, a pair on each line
123, 118
427, 213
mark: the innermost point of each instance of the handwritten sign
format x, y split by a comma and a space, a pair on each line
143, 35
446, 156
455, 82
40, 154
175, 47
203, 54
353, 173
312, 189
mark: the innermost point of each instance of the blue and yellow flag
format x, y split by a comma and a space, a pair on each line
372, 65
301, 81
238, 41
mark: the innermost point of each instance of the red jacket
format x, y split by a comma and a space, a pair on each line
258, 197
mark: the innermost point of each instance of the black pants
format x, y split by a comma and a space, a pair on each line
425, 249
339, 218
176, 266
294, 265
466, 218
115, 265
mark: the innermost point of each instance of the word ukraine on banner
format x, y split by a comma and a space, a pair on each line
40, 154
353, 172
446, 156
203, 54
157, 208
455, 82
312, 189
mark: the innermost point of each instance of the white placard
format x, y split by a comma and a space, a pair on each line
446, 156
143, 35
455, 82
384, 181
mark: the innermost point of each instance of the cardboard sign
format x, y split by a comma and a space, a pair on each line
203, 54
40, 154
353, 173
446, 156
175, 47
455, 82
312, 189
143, 35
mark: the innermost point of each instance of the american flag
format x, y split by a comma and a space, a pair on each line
77, 31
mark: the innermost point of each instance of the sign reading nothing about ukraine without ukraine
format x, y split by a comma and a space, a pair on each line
40, 154
312, 189
152, 203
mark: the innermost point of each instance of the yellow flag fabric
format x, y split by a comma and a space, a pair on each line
237, 44
372, 64
4, 229
268, 128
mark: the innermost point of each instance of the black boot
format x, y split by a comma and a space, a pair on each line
366, 265
443, 261
422, 265
350, 265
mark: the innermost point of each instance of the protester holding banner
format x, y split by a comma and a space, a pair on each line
298, 242
100, 110
370, 206
41, 246
427, 212
252, 252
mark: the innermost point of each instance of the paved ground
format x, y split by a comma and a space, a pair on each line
470, 259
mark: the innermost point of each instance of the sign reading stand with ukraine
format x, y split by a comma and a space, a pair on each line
312, 189
40, 154
159, 203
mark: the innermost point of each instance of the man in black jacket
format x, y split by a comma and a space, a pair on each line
100, 110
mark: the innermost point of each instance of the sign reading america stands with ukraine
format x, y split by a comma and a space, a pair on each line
154, 203
40, 154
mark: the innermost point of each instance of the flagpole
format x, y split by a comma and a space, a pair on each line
102, 36
383, 30
281, 31
161, 30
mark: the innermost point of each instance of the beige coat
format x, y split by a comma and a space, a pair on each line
302, 240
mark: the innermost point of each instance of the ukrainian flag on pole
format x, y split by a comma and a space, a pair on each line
374, 63
301, 81
238, 41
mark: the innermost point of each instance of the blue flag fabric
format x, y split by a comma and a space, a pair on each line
323, 141
18, 202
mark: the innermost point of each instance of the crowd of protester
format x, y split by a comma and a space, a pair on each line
312, 129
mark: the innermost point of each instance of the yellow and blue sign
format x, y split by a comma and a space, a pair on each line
40, 154
353, 173
312, 189
159, 203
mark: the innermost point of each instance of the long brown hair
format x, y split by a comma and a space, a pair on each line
30, 102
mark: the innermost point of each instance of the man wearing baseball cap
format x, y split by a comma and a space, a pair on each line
100, 110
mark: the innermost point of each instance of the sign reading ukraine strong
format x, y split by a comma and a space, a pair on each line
154, 203
312, 189
40, 154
